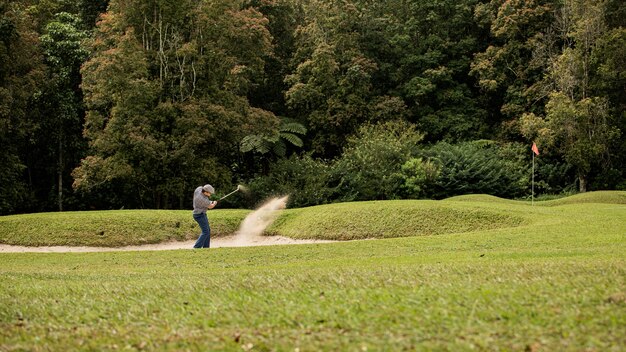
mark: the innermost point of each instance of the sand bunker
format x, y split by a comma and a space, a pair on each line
216, 242
249, 234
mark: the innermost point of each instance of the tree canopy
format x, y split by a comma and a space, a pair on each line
134, 103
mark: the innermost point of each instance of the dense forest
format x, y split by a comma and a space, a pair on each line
107, 104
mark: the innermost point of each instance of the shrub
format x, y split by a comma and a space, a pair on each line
416, 173
306, 181
554, 177
370, 166
478, 167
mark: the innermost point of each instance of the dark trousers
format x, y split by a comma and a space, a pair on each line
204, 241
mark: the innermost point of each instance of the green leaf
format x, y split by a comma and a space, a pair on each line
293, 139
293, 127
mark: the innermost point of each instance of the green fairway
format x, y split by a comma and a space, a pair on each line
542, 278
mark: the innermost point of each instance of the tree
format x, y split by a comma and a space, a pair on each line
610, 82
62, 107
21, 74
577, 122
435, 41
306, 180
510, 69
267, 91
90, 10
580, 129
166, 93
416, 174
330, 87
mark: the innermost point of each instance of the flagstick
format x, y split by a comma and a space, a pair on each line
532, 197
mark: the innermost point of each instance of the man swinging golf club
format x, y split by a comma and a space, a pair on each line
202, 203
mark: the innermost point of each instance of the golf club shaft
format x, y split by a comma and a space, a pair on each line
229, 193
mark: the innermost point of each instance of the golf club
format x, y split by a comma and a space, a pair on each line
238, 188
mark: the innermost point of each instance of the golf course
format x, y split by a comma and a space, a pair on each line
473, 272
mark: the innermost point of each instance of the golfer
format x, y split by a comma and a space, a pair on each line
202, 203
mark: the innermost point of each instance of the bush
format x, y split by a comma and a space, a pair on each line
306, 181
478, 167
370, 166
416, 173
554, 177
383, 162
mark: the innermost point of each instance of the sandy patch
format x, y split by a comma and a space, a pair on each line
231, 241
249, 234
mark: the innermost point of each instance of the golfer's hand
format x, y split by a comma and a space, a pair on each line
213, 204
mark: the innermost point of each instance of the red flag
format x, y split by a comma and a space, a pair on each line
535, 149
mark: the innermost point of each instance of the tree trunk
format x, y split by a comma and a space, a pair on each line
582, 182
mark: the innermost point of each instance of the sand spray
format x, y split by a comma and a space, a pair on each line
256, 222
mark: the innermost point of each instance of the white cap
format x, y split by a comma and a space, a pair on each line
208, 188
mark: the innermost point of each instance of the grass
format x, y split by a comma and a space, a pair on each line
388, 219
113, 228
602, 197
607, 197
345, 221
554, 279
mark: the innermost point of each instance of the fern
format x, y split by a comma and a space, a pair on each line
293, 139
275, 142
279, 149
292, 127
249, 143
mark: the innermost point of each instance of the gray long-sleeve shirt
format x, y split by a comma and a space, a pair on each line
200, 201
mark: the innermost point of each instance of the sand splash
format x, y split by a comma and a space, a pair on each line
256, 222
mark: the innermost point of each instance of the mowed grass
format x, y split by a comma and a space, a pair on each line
112, 228
389, 219
602, 197
344, 221
556, 281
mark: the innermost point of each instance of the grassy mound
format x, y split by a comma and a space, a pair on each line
481, 198
600, 197
112, 228
343, 221
387, 219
